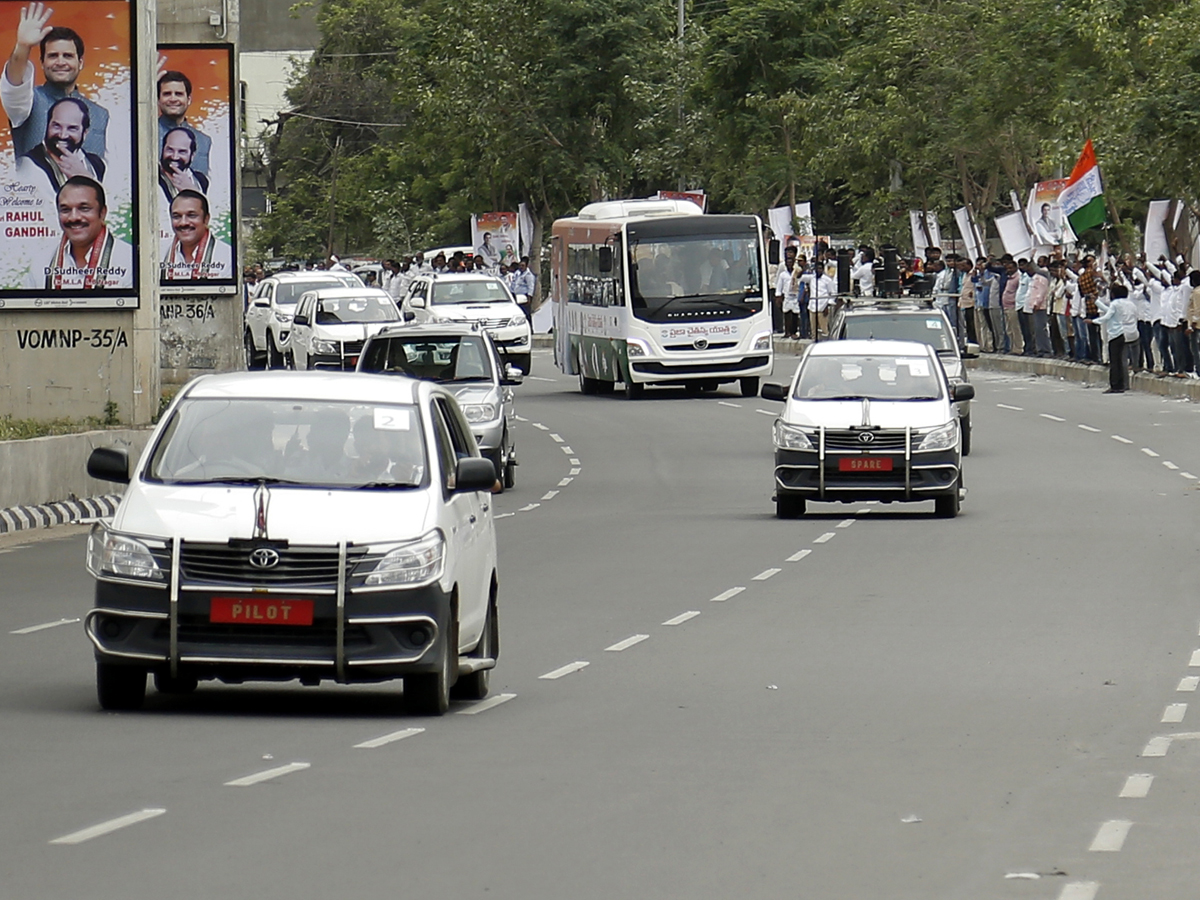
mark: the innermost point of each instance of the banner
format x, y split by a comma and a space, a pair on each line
495, 237
923, 238
1014, 234
525, 218
970, 233
697, 197
68, 151
197, 212
1045, 218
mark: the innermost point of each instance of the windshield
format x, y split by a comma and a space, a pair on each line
925, 328
700, 265
297, 442
339, 310
491, 291
444, 359
868, 378
288, 292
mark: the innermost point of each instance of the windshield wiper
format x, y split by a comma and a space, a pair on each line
241, 479
840, 397
383, 486
464, 379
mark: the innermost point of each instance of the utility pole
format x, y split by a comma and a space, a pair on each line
337, 147
679, 74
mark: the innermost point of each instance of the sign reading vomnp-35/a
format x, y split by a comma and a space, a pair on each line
68, 153
197, 234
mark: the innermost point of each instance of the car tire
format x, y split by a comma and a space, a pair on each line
165, 683
120, 687
251, 353
510, 472
946, 506
475, 686
496, 457
966, 436
633, 390
428, 694
749, 386
274, 354
789, 507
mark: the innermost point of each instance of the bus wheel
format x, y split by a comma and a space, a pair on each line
586, 385
633, 390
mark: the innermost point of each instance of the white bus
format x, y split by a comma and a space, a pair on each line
657, 292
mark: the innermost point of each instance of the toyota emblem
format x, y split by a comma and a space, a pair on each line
264, 558
866, 438
700, 343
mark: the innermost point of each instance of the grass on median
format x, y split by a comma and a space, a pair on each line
22, 429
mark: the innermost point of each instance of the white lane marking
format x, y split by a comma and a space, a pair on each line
1079, 890
1149, 452
32, 628
846, 523
1195, 660
539, 378
564, 482
520, 418
862, 512
766, 412
1174, 713
565, 449
484, 705
1188, 683
86, 834
540, 427
1023, 876
268, 774
683, 617
503, 515
1111, 836
564, 670
799, 555
1090, 428
627, 643
732, 405
529, 507
1015, 408
726, 595
765, 574
1170, 465
380, 741
1052, 418
575, 471
573, 462
549, 495
1188, 475
1156, 746
556, 438
827, 536
1137, 787
1123, 440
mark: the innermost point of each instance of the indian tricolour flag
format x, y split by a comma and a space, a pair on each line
1082, 200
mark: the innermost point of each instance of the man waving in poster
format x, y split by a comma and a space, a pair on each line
89, 255
27, 106
195, 252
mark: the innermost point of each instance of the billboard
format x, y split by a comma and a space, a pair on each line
1045, 219
68, 155
197, 221
496, 237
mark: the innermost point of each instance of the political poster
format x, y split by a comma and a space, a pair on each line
969, 231
495, 236
197, 215
68, 152
1045, 219
697, 197
789, 225
925, 231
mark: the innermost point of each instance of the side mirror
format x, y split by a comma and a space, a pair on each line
417, 302
972, 351
109, 464
474, 473
773, 391
963, 392
606, 259
773, 252
262, 301
409, 315
300, 320
512, 375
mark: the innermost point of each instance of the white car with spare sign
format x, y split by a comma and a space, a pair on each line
299, 525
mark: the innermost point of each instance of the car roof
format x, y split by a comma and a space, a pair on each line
335, 293
306, 275
869, 348
347, 387
459, 276
429, 329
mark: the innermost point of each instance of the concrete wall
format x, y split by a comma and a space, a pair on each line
200, 335
49, 469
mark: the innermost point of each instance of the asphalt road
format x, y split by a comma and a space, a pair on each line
867, 702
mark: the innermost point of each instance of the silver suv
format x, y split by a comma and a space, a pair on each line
269, 314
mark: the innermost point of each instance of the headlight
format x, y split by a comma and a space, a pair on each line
517, 320
480, 412
762, 342
635, 347
282, 317
943, 438
325, 346
121, 556
412, 564
789, 438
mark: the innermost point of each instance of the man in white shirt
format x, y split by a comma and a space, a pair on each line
863, 271
822, 289
1120, 325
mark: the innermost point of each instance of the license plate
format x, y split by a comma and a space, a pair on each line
260, 611
865, 464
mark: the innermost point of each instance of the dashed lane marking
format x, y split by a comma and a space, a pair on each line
798, 555
863, 511
1123, 440
683, 617
503, 515
1052, 418
1149, 452
1170, 465
565, 481
529, 507
549, 495
540, 427
726, 595
827, 536
484, 705
846, 523
1090, 428
766, 412
86, 834
520, 418
564, 670
385, 739
765, 574
627, 643
557, 438
1188, 684
1174, 713
268, 774
731, 405
1195, 660
575, 471
1111, 836
1079, 890
1156, 746
574, 462
1188, 475
565, 449
1137, 787
1014, 408
540, 378
32, 628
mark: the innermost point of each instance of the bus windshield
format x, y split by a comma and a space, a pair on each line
700, 266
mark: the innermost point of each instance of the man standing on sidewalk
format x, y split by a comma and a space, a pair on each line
1120, 324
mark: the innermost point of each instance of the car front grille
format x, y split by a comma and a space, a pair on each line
229, 564
881, 442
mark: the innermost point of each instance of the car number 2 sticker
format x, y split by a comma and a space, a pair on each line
391, 420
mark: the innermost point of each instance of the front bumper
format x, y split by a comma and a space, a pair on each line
915, 476
652, 371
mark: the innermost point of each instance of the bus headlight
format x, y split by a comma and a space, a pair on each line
763, 341
634, 347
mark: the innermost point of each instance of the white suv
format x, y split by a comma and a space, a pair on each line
310, 525
269, 315
481, 300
